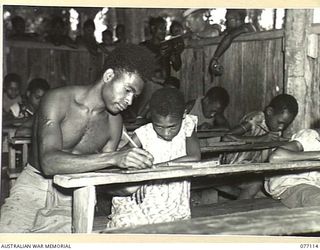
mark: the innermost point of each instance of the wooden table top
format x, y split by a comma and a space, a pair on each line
237, 146
20, 140
114, 176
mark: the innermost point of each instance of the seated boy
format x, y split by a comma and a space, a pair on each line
209, 108
303, 189
11, 95
260, 126
36, 89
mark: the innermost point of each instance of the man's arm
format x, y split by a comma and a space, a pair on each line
238, 134
225, 44
220, 121
293, 151
54, 160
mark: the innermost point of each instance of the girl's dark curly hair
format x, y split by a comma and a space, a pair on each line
167, 102
131, 58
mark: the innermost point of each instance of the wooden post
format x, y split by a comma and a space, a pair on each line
84, 200
298, 67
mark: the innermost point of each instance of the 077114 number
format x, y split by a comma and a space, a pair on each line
307, 245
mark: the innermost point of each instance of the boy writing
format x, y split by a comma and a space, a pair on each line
11, 95
303, 189
36, 90
170, 137
209, 108
260, 126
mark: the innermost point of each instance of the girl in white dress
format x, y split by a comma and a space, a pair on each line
170, 138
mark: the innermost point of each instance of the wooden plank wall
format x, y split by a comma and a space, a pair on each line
315, 86
253, 69
253, 73
59, 65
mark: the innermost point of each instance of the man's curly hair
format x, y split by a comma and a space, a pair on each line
167, 102
131, 58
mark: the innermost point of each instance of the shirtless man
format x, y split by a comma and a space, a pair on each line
77, 129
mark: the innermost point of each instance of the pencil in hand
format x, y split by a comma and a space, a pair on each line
130, 139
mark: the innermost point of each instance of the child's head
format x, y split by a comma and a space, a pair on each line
18, 25
176, 28
235, 18
280, 112
121, 31
158, 28
58, 26
89, 27
107, 37
167, 107
36, 89
172, 82
215, 101
12, 85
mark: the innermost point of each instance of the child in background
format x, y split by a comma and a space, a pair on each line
12, 88
209, 109
303, 189
35, 91
121, 34
261, 126
88, 39
170, 82
107, 41
176, 29
170, 138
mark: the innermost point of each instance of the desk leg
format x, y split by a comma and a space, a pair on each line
24, 154
84, 200
12, 163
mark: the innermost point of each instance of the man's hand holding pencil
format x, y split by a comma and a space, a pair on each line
135, 157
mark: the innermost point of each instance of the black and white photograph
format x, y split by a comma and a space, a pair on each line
160, 121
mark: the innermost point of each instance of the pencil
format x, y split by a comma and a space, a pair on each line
130, 139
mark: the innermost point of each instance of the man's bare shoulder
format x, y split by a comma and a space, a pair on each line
63, 95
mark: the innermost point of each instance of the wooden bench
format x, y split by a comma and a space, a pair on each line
268, 221
221, 208
84, 183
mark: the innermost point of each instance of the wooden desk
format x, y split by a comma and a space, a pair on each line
219, 147
210, 133
7, 133
84, 183
13, 171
